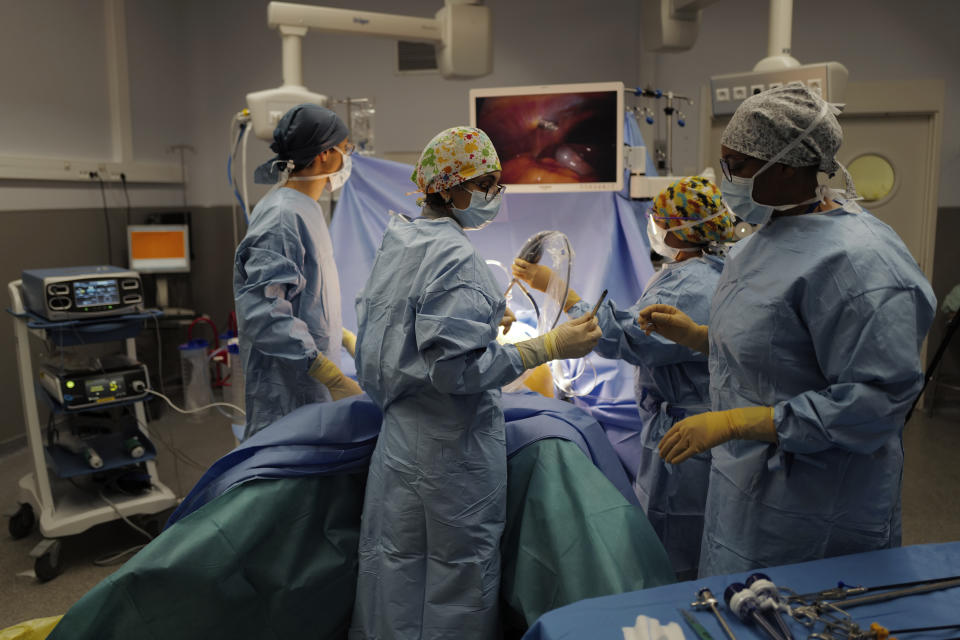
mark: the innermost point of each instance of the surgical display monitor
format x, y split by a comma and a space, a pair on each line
561, 138
159, 248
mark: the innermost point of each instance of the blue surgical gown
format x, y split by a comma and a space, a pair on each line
671, 382
435, 499
821, 317
287, 296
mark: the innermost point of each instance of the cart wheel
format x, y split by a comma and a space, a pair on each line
48, 566
22, 522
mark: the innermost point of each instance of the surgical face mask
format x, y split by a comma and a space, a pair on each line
336, 179
738, 192
658, 236
479, 213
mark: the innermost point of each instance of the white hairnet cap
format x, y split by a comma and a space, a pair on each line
765, 123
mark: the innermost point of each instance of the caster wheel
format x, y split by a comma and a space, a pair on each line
48, 566
22, 522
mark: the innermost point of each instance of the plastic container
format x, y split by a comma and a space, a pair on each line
195, 371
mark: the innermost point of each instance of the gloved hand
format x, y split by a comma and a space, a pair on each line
698, 433
538, 276
573, 339
350, 342
340, 386
507, 320
675, 325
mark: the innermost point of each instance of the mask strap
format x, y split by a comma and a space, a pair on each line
322, 175
689, 225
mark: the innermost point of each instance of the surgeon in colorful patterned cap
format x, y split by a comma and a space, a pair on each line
689, 225
814, 342
427, 354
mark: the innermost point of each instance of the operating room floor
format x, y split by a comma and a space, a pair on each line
931, 494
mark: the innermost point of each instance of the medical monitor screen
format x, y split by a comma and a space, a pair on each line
555, 137
159, 248
96, 293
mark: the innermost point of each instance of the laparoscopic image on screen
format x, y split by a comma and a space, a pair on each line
553, 138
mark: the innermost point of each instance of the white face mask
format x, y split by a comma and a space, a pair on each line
658, 237
336, 179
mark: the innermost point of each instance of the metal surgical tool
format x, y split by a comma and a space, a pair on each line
705, 600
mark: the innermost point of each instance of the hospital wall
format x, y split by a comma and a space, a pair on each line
191, 63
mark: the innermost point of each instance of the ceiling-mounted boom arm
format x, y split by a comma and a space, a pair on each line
461, 31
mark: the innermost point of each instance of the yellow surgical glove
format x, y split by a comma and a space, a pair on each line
349, 342
675, 325
572, 299
572, 339
698, 433
340, 386
536, 275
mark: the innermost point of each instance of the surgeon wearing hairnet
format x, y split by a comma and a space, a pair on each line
687, 224
427, 354
813, 340
285, 283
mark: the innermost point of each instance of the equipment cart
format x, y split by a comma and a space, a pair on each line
49, 495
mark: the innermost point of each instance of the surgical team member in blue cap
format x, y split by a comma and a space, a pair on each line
427, 354
814, 339
688, 224
285, 282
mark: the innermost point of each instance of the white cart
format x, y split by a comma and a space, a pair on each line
61, 508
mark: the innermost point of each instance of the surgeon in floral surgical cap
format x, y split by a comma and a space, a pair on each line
689, 225
427, 354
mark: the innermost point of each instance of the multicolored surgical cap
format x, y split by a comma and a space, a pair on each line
690, 199
765, 123
454, 156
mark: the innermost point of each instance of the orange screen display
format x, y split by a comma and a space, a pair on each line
145, 245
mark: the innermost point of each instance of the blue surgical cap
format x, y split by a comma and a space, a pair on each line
302, 133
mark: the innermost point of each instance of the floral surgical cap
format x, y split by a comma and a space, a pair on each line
765, 123
695, 198
454, 156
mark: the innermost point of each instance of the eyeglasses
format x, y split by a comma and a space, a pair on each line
488, 194
725, 167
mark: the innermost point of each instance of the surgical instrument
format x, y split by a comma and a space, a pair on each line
744, 604
840, 596
603, 296
698, 628
843, 591
706, 600
770, 601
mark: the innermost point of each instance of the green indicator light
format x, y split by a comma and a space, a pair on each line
71, 384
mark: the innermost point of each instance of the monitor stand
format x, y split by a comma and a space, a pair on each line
163, 301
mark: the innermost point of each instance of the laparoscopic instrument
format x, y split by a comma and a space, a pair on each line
829, 608
706, 600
